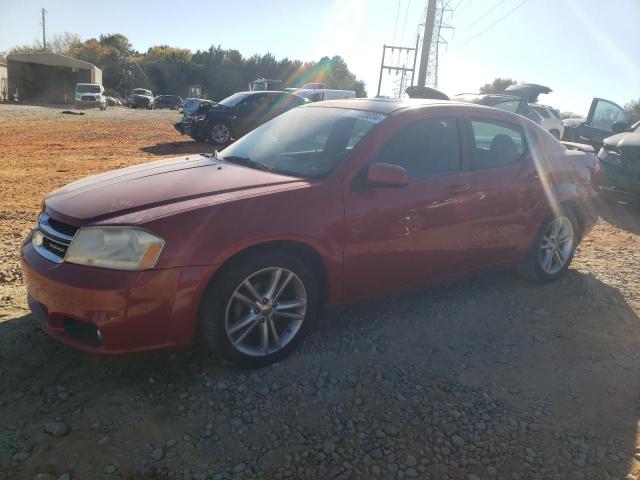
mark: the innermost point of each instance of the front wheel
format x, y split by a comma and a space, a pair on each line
259, 308
219, 134
553, 250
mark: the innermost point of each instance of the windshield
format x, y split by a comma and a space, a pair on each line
305, 142
191, 105
233, 100
88, 88
141, 91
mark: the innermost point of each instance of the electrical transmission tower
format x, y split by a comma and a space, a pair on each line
438, 16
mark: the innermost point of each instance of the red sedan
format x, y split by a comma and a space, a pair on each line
329, 203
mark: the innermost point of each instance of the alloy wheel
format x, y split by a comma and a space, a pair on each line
557, 244
266, 311
220, 134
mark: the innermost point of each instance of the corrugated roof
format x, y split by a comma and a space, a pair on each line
51, 59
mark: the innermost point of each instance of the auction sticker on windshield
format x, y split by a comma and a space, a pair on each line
372, 117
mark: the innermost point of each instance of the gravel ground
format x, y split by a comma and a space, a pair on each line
492, 377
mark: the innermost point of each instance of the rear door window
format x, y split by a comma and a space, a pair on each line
496, 144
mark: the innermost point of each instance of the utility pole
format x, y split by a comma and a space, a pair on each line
44, 38
426, 42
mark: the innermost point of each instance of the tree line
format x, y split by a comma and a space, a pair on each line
169, 70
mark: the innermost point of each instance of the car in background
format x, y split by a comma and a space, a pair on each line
322, 94
620, 166
189, 107
172, 102
333, 202
508, 103
90, 95
114, 102
141, 98
240, 113
605, 118
551, 120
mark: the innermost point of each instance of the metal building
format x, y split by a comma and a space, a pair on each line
4, 86
47, 77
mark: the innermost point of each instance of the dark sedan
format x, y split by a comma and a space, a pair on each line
620, 163
172, 102
240, 113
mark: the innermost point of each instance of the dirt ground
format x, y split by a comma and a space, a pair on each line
492, 377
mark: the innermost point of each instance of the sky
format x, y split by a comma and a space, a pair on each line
580, 48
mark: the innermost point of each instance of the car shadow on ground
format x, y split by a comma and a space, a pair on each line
562, 356
621, 215
185, 147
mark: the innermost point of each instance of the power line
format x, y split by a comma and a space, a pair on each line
464, 6
493, 24
485, 15
395, 28
406, 15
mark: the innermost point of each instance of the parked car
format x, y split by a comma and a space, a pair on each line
508, 103
551, 120
189, 108
322, 94
605, 119
332, 202
172, 102
141, 98
114, 102
90, 95
620, 163
240, 113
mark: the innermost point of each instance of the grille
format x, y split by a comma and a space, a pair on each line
64, 228
53, 238
88, 98
59, 249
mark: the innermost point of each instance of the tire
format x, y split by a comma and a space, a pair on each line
536, 265
218, 133
233, 321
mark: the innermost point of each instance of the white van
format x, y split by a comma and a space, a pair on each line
90, 95
320, 94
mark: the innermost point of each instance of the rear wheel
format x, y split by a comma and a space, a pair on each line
259, 308
553, 250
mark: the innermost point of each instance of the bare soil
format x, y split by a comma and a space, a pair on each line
492, 377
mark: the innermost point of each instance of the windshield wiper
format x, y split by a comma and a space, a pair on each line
246, 162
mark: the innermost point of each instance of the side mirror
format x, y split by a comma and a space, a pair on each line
619, 127
387, 175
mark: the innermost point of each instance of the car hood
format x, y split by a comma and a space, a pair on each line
155, 184
625, 142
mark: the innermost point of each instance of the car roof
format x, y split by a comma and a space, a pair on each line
384, 106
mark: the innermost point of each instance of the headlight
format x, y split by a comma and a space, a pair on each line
119, 248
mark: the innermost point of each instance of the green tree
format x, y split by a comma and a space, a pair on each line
499, 85
633, 109
170, 70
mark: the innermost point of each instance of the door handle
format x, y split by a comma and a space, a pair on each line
457, 189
